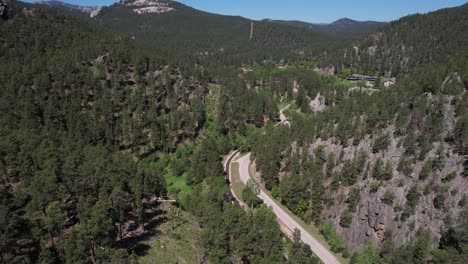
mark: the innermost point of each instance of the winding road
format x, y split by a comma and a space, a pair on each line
319, 250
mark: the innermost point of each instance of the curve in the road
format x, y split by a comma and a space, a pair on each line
322, 252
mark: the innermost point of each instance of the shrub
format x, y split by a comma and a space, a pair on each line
346, 219
176, 236
405, 166
381, 143
374, 187
250, 198
353, 199
275, 192
388, 197
439, 200
426, 170
301, 207
334, 240
449, 177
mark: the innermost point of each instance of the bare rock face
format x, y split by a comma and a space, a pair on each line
92, 11
370, 222
318, 104
372, 219
4, 9
328, 71
148, 6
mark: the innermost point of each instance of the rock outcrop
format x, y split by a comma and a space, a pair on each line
92, 11
148, 6
318, 104
4, 9
372, 219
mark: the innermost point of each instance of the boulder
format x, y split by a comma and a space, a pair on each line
3, 10
318, 104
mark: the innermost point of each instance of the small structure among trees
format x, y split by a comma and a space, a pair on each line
359, 77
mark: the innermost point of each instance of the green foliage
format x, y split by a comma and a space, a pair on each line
334, 240
452, 175
388, 197
432, 45
426, 170
381, 143
301, 208
250, 198
440, 197
212, 37
349, 173
293, 190
405, 165
380, 172
301, 253
346, 219
353, 199
374, 187
275, 192
412, 199
369, 256
99, 71
72, 125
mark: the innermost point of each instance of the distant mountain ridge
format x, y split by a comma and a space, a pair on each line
344, 27
92, 11
411, 41
173, 25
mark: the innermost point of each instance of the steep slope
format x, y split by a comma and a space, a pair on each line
411, 41
378, 167
175, 26
91, 11
89, 124
78, 106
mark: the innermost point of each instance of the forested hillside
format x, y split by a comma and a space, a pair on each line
409, 42
386, 166
90, 126
344, 28
103, 118
76, 105
193, 31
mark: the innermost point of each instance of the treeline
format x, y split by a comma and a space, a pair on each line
407, 43
225, 39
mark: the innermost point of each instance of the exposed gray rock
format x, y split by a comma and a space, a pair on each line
373, 218
4, 9
328, 71
318, 104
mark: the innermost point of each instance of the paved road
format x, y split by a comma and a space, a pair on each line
227, 168
326, 256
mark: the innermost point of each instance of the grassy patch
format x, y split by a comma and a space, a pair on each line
177, 185
237, 184
179, 245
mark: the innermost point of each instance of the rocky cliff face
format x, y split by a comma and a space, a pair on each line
374, 218
92, 11
4, 9
148, 6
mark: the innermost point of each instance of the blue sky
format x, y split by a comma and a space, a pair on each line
318, 11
